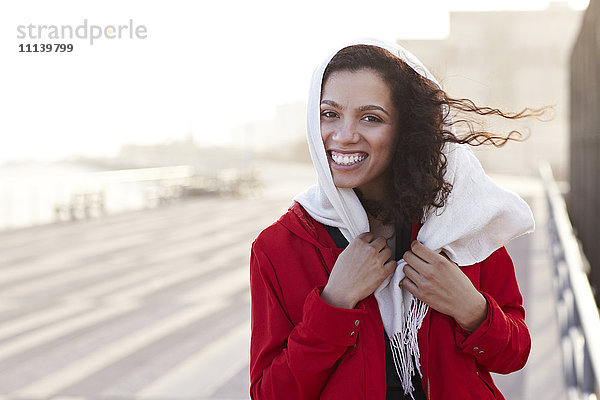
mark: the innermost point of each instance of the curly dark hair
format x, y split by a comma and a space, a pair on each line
419, 165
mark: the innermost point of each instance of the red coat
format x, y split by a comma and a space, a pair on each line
303, 348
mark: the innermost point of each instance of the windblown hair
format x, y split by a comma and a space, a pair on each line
418, 165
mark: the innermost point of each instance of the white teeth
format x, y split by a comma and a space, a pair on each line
345, 159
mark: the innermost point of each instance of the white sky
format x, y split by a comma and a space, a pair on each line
205, 66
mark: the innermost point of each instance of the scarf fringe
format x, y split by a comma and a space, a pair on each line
405, 347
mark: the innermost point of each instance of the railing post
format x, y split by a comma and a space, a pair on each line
578, 318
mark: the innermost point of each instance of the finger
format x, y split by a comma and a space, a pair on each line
379, 243
389, 267
385, 254
416, 262
411, 287
424, 252
447, 258
412, 274
366, 236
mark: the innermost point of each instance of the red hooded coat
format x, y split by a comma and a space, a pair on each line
303, 348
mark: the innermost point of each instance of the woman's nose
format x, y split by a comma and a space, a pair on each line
346, 132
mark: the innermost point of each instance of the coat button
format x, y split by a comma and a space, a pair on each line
352, 333
475, 348
356, 322
481, 351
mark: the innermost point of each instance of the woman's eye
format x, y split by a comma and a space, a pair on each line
328, 114
371, 118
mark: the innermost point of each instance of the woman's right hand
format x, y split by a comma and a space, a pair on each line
358, 271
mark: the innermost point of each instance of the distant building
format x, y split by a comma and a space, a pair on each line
510, 60
179, 152
282, 137
175, 152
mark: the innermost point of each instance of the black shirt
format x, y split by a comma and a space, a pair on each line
394, 387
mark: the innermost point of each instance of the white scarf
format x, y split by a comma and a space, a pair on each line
478, 218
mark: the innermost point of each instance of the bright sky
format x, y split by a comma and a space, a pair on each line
204, 67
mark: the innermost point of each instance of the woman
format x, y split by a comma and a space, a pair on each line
346, 302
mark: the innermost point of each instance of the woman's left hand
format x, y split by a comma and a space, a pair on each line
438, 282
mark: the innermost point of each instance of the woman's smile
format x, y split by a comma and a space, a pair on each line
345, 160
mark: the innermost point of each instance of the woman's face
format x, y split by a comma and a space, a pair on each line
358, 127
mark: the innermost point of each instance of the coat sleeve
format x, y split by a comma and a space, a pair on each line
502, 342
293, 361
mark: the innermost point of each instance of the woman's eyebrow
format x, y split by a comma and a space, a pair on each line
331, 103
361, 108
373, 107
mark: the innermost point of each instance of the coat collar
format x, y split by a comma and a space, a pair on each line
300, 223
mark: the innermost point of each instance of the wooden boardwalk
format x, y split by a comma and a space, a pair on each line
154, 304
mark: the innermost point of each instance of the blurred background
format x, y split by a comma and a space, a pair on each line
135, 173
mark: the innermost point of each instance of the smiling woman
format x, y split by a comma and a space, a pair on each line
389, 279
358, 133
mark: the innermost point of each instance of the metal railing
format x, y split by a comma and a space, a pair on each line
578, 318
